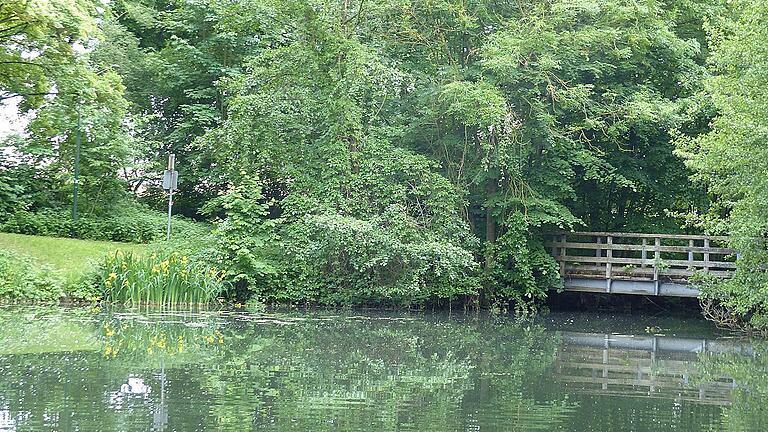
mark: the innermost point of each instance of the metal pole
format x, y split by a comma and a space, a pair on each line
171, 163
73, 232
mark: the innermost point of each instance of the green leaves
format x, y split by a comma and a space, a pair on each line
732, 158
245, 241
36, 39
479, 105
388, 145
22, 279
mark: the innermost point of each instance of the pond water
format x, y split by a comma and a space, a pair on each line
79, 369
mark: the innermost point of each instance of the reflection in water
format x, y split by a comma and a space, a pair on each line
222, 370
656, 367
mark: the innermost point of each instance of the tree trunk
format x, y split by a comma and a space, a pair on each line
490, 238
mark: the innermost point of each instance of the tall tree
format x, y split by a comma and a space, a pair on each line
36, 38
732, 159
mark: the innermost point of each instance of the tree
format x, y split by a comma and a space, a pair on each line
36, 38
732, 159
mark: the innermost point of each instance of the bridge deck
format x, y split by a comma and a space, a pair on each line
646, 264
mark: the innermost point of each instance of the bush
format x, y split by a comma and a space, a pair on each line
521, 270
166, 279
129, 224
22, 279
339, 260
245, 242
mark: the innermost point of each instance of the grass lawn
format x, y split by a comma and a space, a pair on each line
69, 255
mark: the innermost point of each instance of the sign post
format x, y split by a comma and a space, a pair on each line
73, 231
170, 183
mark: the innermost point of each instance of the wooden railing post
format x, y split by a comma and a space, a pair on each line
656, 261
608, 267
690, 253
644, 252
562, 256
706, 254
599, 250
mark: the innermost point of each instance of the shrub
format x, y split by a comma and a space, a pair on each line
521, 270
244, 243
22, 279
127, 224
166, 279
340, 260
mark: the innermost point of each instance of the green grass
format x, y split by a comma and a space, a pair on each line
71, 256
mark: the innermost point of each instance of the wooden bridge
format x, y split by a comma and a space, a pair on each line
645, 264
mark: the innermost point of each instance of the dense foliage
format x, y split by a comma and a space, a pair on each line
22, 279
129, 224
732, 158
396, 152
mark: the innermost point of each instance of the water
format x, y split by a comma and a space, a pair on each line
75, 369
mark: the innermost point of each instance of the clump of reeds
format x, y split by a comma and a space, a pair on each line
168, 279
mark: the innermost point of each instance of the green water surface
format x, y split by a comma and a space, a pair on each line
80, 369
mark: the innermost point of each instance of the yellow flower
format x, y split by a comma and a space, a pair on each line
184, 260
108, 283
155, 269
112, 276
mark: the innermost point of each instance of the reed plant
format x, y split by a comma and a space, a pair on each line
167, 279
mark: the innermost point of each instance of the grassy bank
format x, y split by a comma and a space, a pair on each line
48, 269
71, 256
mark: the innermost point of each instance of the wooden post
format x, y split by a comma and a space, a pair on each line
656, 259
608, 268
690, 253
598, 250
562, 256
644, 252
706, 254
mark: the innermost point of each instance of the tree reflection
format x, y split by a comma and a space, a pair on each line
239, 372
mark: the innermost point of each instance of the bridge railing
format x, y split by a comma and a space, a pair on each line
634, 256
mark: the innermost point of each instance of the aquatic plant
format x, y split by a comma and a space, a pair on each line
167, 279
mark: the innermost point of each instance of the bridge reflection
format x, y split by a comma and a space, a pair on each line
644, 366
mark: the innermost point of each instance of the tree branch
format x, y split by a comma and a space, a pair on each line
14, 95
